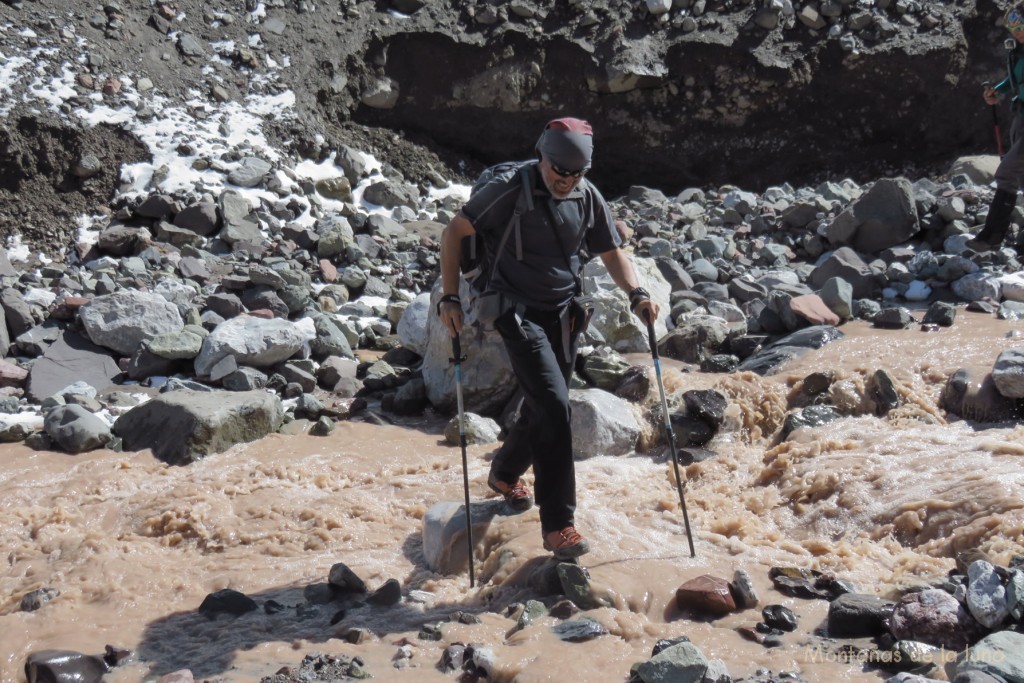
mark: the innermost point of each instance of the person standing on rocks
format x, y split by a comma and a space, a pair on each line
1010, 173
538, 274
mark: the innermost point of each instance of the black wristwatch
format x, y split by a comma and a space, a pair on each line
637, 295
447, 298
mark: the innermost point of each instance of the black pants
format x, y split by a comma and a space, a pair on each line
542, 437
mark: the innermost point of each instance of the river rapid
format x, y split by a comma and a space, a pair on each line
134, 545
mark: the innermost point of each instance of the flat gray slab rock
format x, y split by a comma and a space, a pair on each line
72, 358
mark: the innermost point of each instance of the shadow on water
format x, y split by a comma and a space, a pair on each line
207, 642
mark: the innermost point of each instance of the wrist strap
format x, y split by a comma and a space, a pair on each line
636, 296
448, 299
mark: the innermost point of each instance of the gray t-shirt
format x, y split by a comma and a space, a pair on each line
541, 279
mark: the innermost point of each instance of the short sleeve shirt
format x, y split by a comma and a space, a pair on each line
550, 239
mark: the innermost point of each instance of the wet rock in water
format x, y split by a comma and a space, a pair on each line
64, 666
772, 356
575, 582
802, 583
1008, 373
34, 600
858, 615
695, 338
811, 416
533, 610
720, 362
602, 424
973, 395
479, 430
881, 388
321, 667
940, 313
986, 595
934, 617
779, 617
343, 580
452, 658
680, 663
706, 404
75, 430
636, 384
605, 371
184, 426
893, 318
181, 676
743, 591
387, 594
227, 601
579, 630
706, 594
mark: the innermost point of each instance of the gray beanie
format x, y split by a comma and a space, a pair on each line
567, 143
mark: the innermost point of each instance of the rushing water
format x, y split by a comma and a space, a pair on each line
134, 545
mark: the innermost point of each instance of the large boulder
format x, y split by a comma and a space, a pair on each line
123, 320
884, 216
487, 378
252, 341
69, 359
183, 426
613, 323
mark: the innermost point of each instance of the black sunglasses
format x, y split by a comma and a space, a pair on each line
561, 172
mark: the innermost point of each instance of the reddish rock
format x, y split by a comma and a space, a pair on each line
328, 271
112, 86
262, 313
11, 375
707, 594
67, 307
935, 617
814, 310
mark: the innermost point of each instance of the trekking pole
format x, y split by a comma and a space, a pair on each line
457, 360
670, 435
995, 122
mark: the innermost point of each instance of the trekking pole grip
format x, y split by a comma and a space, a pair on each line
651, 339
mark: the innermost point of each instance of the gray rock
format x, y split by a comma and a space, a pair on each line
252, 341
183, 426
75, 429
986, 596
1008, 373
181, 345
884, 216
602, 424
123, 320
250, 173
680, 663
934, 617
978, 286
479, 430
444, 533
837, 294
1000, 655
974, 396
858, 615
846, 264
62, 666
68, 359
199, 218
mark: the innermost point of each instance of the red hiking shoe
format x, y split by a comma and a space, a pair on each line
517, 496
566, 544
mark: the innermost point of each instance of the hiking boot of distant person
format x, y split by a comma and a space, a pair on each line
516, 495
996, 224
566, 544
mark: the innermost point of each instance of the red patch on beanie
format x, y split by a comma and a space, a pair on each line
570, 125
